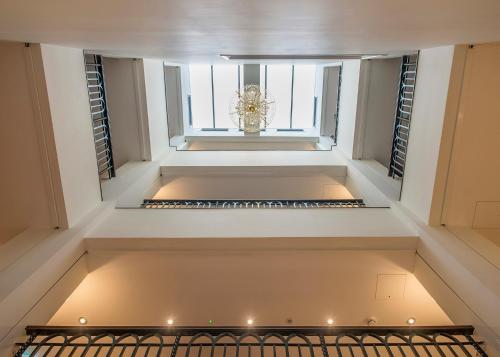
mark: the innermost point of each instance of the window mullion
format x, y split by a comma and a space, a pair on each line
291, 97
265, 78
213, 95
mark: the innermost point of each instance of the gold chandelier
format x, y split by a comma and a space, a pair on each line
252, 110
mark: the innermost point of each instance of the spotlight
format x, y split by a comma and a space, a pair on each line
411, 321
330, 321
250, 322
82, 320
170, 322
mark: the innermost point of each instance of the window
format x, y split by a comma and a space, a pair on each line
225, 86
303, 110
293, 87
278, 83
200, 80
212, 88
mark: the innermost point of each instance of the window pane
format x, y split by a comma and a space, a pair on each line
225, 87
201, 96
279, 86
303, 96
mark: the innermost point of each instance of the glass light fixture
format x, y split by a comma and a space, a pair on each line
252, 110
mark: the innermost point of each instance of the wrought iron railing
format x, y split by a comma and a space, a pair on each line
235, 204
403, 115
251, 342
99, 115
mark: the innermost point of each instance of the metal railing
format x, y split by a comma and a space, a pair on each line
248, 204
439, 341
99, 115
403, 116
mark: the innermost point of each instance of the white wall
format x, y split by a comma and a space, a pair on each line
247, 184
26, 201
328, 77
473, 190
431, 94
154, 82
70, 112
348, 106
121, 97
174, 100
381, 102
265, 282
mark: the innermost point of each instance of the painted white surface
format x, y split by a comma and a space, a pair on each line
473, 190
199, 31
254, 158
374, 222
173, 89
452, 304
348, 105
250, 186
269, 135
121, 97
380, 113
224, 145
471, 277
431, 92
38, 282
377, 176
20, 314
70, 111
488, 248
26, 201
328, 97
154, 82
268, 285
361, 184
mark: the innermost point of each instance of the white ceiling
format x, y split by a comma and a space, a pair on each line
309, 286
198, 30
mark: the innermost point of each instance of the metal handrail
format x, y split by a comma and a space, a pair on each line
403, 115
98, 113
251, 204
276, 341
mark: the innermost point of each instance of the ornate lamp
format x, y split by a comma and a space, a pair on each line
251, 110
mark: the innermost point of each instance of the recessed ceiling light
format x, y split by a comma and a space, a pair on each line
211, 322
411, 321
170, 322
250, 322
330, 321
82, 320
